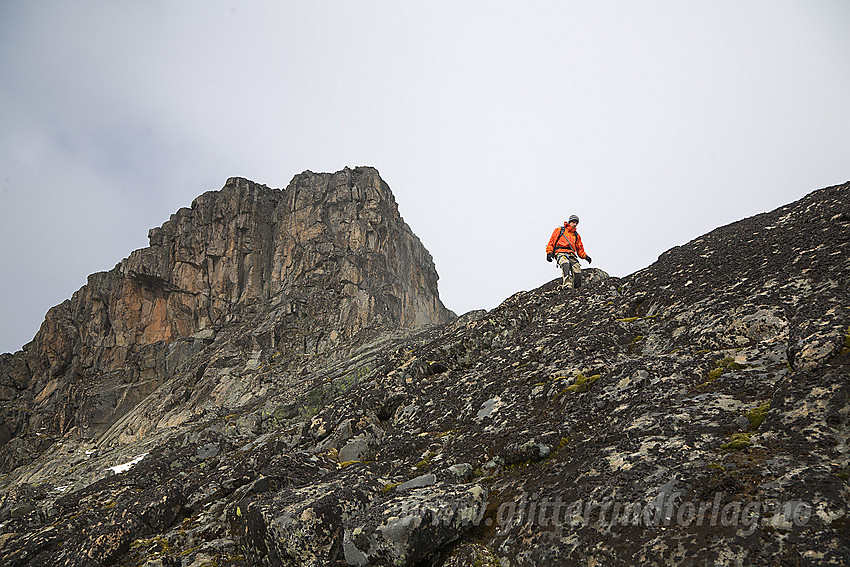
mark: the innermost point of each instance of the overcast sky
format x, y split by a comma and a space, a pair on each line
492, 122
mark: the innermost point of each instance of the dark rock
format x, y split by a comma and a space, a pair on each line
301, 526
695, 412
262, 484
418, 482
407, 529
207, 451
529, 451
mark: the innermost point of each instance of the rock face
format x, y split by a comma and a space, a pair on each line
693, 413
323, 260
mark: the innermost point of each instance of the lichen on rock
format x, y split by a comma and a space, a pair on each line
694, 412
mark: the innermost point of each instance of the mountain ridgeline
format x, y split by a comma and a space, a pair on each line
274, 381
320, 262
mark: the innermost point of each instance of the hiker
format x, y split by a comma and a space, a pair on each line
565, 246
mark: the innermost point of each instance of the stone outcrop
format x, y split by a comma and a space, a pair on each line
692, 413
322, 261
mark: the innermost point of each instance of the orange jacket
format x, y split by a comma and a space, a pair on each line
568, 243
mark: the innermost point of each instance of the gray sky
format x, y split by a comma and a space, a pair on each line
492, 122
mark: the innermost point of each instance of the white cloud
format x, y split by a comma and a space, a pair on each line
654, 121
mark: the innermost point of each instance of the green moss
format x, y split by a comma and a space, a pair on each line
17, 408
714, 374
637, 339
729, 364
757, 414
582, 383
739, 442
315, 397
344, 382
156, 546
189, 551
721, 366
846, 349
633, 319
425, 461
716, 466
485, 557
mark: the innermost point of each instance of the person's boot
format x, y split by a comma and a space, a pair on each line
567, 279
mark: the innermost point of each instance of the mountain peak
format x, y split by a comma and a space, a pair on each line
325, 260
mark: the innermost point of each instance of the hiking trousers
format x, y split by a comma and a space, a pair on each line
571, 270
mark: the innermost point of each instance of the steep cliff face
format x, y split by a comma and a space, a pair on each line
324, 259
692, 413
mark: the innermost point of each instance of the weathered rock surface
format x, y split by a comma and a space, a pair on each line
307, 269
696, 412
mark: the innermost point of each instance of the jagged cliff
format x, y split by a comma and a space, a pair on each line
323, 260
693, 413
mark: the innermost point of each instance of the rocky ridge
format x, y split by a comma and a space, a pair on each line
695, 412
246, 273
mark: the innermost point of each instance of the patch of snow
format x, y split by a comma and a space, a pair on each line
118, 469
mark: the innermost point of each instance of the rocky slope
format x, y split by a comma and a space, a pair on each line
696, 412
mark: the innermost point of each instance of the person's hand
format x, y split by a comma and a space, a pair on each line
589, 259
549, 257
